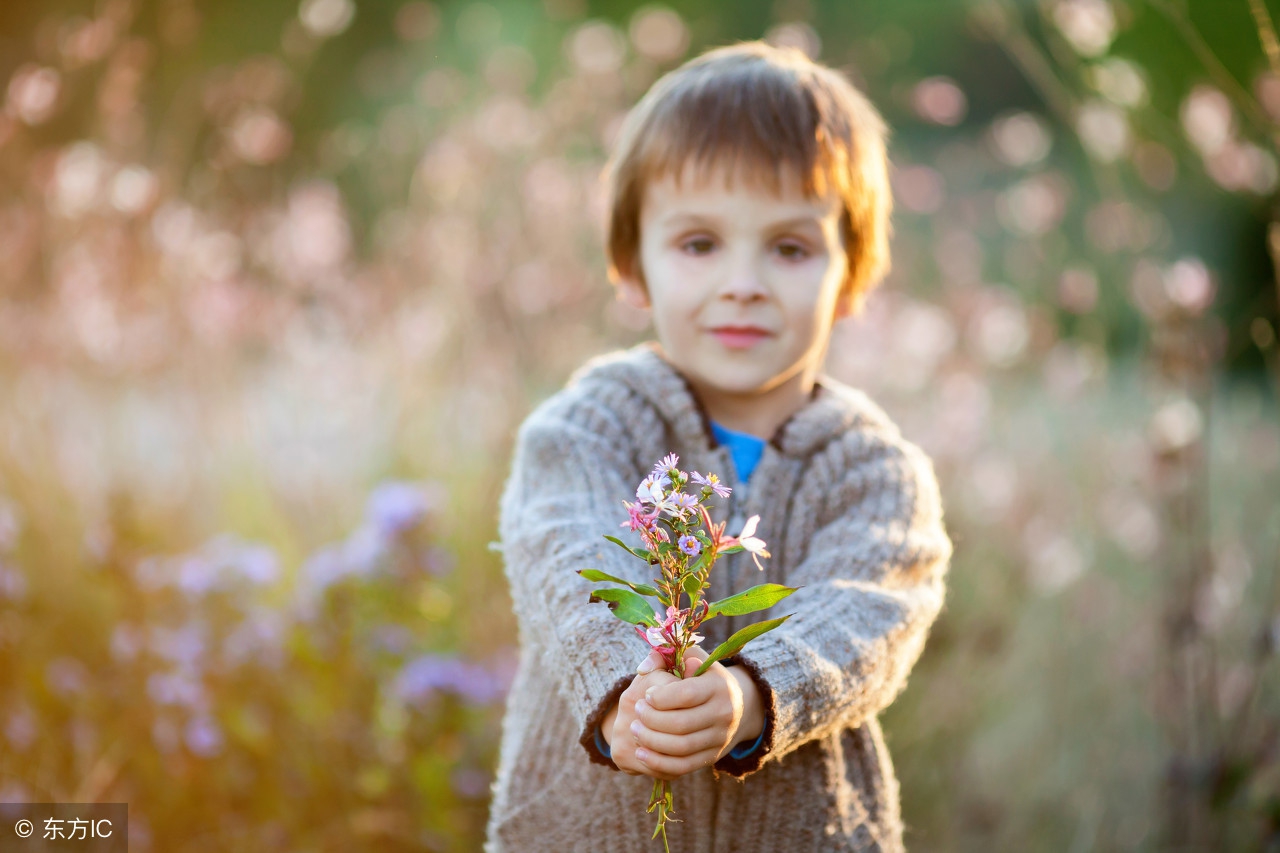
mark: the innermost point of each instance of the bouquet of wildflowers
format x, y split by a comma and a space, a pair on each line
680, 539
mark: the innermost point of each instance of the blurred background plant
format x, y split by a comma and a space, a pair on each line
273, 272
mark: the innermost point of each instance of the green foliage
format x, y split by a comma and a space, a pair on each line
597, 575
759, 597
637, 552
626, 605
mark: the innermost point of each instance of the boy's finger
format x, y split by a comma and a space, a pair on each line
657, 678
667, 696
650, 664
692, 660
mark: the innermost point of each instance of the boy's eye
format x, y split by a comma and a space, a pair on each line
698, 245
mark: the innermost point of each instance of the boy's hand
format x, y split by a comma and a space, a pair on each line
686, 725
616, 726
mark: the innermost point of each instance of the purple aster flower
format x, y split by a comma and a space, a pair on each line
439, 560
667, 465
470, 782
224, 563
126, 642
203, 736
259, 638
322, 569
66, 676
690, 545
397, 506
679, 504
431, 673
257, 563
364, 549
176, 688
712, 482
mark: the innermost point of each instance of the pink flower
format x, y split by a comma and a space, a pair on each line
671, 634
637, 518
749, 542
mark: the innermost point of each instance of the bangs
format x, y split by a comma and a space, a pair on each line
753, 122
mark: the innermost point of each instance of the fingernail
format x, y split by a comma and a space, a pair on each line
648, 694
642, 754
636, 727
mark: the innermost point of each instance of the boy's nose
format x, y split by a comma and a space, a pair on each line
742, 281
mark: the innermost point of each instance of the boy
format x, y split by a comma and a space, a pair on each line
750, 211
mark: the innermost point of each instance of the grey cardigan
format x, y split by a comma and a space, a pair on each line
850, 511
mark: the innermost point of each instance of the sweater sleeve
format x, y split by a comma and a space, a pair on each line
570, 474
873, 583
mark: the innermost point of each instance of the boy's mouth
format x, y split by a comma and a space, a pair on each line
739, 337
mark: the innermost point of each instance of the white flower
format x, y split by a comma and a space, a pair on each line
750, 542
651, 489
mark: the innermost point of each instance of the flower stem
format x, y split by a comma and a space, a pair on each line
662, 800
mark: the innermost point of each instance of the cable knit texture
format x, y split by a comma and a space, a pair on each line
851, 514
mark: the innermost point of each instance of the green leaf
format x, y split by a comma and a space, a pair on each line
760, 597
740, 639
703, 559
615, 540
691, 585
626, 605
597, 575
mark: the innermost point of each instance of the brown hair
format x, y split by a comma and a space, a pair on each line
775, 108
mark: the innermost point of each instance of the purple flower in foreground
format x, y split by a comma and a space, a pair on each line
690, 545
712, 482
667, 465
679, 504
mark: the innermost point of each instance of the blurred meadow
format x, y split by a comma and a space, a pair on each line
279, 281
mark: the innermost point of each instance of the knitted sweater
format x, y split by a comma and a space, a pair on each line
851, 513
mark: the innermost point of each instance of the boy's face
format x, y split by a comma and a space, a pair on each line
744, 287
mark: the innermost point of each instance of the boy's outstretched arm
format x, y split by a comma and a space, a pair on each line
873, 583
571, 471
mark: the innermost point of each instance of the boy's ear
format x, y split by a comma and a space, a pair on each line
847, 304
632, 291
